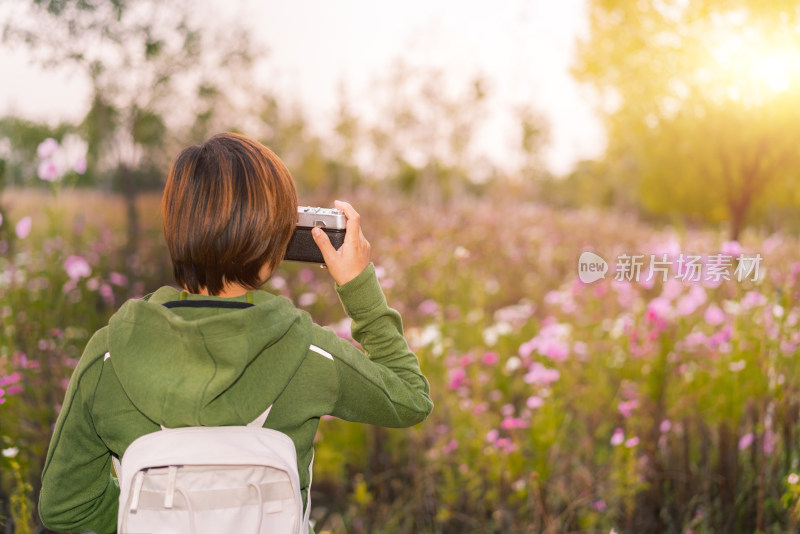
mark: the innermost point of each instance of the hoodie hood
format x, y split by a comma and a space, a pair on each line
206, 365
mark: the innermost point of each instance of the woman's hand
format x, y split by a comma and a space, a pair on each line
353, 256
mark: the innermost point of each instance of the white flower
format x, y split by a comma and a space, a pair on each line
12, 452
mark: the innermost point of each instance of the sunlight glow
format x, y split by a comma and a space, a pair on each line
751, 66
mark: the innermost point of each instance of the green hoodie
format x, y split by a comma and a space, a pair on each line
187, 366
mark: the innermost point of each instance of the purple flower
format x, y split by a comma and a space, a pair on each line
77, 268
23, 227
47, 148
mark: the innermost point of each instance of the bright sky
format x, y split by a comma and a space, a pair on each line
523, 47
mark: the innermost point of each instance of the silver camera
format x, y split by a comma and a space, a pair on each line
302, 246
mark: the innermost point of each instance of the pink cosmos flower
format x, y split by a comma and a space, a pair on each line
450, 446
480, 408
540, 375
49, 171
534, 402
23, 227
512, 423
77, 268
731, 248
306, 276
665, 426
746, 441
714, 315
618, 437
552, 341
428, 307
770, 443
47, 148
688, 303
659, 310
80, 165
456, 378
626, 407
753, 299
672, 288
118, 279
632, 442
13, 378
490, 358
107, 293
695, 339
506, 445
555, 349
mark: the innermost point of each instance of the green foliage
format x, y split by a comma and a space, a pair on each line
702, 98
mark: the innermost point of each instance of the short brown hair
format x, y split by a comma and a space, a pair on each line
229, 208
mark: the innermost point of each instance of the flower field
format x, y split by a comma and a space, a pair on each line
647, 404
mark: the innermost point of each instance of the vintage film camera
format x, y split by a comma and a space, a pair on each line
302, 246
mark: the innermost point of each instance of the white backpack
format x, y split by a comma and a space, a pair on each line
199, 480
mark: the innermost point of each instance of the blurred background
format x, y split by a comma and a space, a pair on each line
487, 146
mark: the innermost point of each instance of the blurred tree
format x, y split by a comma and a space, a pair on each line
424, 138
701, 101
534, 136
154, 67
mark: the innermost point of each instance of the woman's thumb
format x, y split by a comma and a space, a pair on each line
323, 242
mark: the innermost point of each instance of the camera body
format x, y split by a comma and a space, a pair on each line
302, 246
